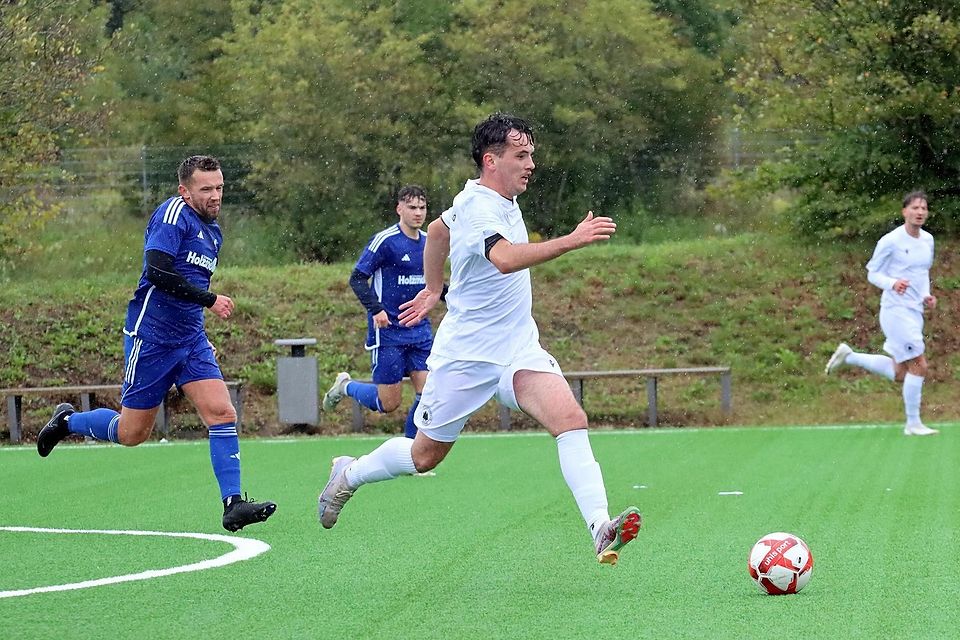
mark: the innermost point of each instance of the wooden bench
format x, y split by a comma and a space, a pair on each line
578, 378
88, 394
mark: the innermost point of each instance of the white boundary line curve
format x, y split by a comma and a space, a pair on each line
243, 549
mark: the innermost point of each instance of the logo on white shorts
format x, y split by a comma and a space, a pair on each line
426, 416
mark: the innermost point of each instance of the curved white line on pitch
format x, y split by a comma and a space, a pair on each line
243, 549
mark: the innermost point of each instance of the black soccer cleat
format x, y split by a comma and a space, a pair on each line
55, 430
239, 512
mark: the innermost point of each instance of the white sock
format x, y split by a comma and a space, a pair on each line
584, 478
874, 363
386, 462
912, 392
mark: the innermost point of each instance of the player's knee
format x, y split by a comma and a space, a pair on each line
574, 417
389, 404
131, 437
223, 415
426, 460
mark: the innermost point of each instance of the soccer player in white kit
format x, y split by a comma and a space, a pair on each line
900, 266
488, 345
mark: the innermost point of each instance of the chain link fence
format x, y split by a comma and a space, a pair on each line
137, 178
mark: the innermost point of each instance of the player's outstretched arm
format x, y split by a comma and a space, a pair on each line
435, 254
508, 258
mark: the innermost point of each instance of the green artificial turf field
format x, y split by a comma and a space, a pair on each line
493, 546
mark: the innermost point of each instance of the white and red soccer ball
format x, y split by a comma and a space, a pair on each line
780, 563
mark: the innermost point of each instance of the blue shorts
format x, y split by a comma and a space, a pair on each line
151, 369
391, 363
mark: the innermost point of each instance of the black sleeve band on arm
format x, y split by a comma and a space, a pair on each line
361, 287
163, 276
489, 242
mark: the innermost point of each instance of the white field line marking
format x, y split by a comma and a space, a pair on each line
594, 432
243, 549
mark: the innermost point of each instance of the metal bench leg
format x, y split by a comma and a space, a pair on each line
357, 420
504, 418
236, 399
14, 413
86, 402
577, 387
726, 395
162, 421
651, 402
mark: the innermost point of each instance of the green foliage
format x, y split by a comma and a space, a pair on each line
876, 82
346, 103
50, 54
159, 71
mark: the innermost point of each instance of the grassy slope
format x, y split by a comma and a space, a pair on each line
771, 309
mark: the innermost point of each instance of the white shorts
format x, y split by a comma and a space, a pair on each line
903, 329
456, 389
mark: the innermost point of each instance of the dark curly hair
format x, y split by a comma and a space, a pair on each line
491, 135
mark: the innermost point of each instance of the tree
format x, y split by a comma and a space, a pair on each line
51, 54
877, 84
346, 102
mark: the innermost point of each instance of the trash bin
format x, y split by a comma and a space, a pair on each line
297, 383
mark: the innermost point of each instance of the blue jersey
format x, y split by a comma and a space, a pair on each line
158, 317
394, 262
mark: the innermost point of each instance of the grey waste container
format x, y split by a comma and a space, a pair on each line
297, 383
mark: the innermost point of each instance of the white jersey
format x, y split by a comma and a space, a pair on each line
489, 314
900, 255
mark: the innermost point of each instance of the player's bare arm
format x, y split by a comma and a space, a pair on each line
508, 257
435, 254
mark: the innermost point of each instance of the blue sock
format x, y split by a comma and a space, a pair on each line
99, 423
410, 428
366, 394
225, 458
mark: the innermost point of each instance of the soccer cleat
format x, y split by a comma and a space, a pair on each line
55, 430
838, 358
616, 534
919, 429
336, 393
243, 511
335, 494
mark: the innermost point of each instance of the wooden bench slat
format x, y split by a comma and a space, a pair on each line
577, 378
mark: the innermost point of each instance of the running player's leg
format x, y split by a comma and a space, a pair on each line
875, 363
542, 393
914, 373
440, 418
903, 329
416, 367
149, 372
383, 394
202, 382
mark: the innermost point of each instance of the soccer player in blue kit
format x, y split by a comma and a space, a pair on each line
388, 273
165, 343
